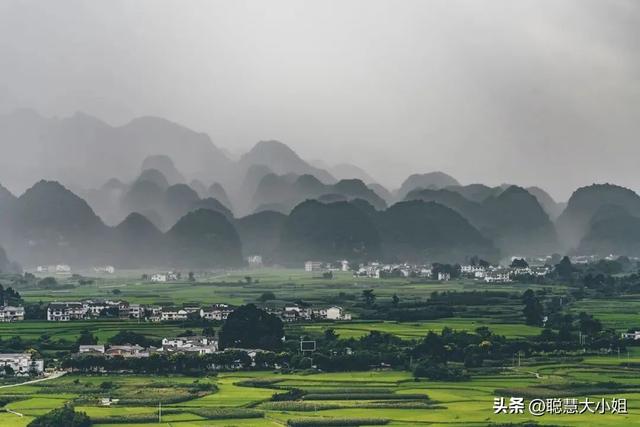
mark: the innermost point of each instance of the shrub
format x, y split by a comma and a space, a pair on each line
227, 413
298, 406
319, 422
365, 396
293, 394
65, 416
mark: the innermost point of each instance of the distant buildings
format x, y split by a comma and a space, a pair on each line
631, 335
216, 312
21, 363
11, 314
54, 269
65, 311
254, 261
195, 344
444, 277
105, 269
311, 266
294, 313
165, 277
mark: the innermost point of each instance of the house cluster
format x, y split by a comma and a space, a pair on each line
54, 269
500, 274
296, 313
377, 270
20, 364
104, 269
180, 345
319, 266
171, 276
11, 314
91, 309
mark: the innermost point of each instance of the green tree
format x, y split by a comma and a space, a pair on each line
533, 310
65, 416
250, 327
369, 297
86, 338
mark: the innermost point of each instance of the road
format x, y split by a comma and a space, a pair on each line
54, 375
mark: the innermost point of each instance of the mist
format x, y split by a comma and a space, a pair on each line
543, 92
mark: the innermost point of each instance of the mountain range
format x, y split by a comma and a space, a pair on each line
160, 194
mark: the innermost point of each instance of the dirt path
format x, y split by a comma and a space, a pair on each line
55, 375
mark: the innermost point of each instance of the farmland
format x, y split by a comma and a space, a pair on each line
380, 396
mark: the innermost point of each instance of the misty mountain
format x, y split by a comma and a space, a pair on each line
84, 151
49, 223
217, 191
430, 181
260, 233
572, 224
612, 230
475, 192
289, 190
349, 171
318, 231
513, 218
416, 231
178, 201
165, 165
137, 243
282, 160
6, 265
144, 196
199, 187
154, 176
213, 205
550, 206
204, 239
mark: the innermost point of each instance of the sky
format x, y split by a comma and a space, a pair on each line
540, 92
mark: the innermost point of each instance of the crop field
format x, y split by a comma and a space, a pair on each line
243, 399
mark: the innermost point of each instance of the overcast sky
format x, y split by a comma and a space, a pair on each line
526, 92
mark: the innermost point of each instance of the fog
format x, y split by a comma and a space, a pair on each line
540, 93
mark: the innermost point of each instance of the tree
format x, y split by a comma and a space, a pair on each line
533, 310
519, 263
395, 300
267, 296
65, 416
192, 277
250, 327
564, 269
369, 297
86, 338
330, 334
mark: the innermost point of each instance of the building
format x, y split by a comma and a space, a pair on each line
127, 351
65, 311
631, 335
11, 314
497, 277
169, 314
165, 277
62, 269
444, 277
91, 349
105, 269
254, 261
216, 312
195, 344
311, 266
337, 313
22, 363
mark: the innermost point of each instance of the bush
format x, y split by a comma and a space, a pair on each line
439, 372
365, 396
227, 413
65, 416
293, 394
313, 422
298, 406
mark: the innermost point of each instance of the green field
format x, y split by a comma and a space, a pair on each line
443, 403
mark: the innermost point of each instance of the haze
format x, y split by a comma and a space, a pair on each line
544, 92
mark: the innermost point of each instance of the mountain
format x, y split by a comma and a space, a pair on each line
476, 192
143, 196
520, 225
513, 219
50, 224
137, 243
213, 205
6, 265
572, 224
317, 231
155, 176
165, 165
83, 151
418, 231
178, 201
550, 206
612, 230
290, 190
260, 234
431, 180
217, 191
349, 171
381, 191
204, 239
282, 160
199, 187
244, 193
7, 200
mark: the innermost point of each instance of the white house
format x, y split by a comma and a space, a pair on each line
21, 363
196, 344
631, 335
311, 266
84, 349
172, 314
11, 314
216, 312
254, 261
65, 311
159, 277
337, 313
444, 277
